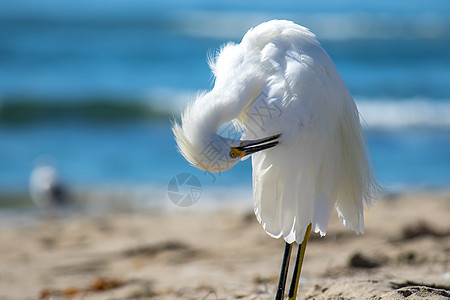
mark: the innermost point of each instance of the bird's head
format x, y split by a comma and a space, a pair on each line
210, 153
199, 143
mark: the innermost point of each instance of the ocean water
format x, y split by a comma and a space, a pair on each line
94, 85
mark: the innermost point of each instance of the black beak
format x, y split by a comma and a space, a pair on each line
250, 147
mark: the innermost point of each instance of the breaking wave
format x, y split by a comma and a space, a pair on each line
408, 113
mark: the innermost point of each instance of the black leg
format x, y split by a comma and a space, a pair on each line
298, 265
292, 289
284, 271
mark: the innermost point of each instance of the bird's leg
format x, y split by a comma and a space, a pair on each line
284, 271
298, 265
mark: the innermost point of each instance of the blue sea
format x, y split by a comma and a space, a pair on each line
95, 84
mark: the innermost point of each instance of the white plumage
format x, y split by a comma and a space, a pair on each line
280, 80
46, 189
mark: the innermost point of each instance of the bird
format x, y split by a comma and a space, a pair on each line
46, 189
300, 126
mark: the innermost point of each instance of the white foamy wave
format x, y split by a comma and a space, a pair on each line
169, 100
410, 113
332, 26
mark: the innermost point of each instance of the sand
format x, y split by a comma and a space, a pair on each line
225, 254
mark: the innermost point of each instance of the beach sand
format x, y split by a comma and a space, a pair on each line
225, 254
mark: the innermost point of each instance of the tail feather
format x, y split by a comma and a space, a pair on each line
268, 191
322, 213
289, 207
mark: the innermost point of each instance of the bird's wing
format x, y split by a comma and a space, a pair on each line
320, 162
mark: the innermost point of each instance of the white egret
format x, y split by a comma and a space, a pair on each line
283, 91
46, 189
